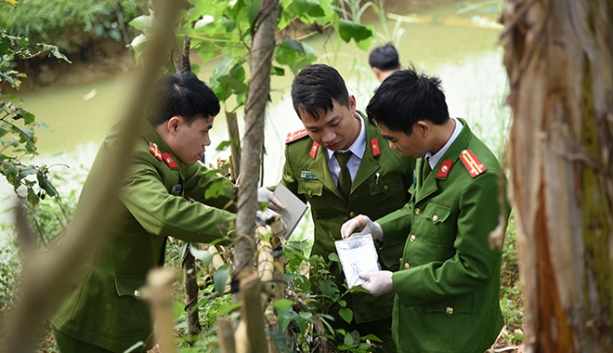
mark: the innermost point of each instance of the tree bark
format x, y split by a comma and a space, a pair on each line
181, 62
559, 58
259, 88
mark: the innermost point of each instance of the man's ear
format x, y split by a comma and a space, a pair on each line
377, 73
352, 103
422, 128
172, 124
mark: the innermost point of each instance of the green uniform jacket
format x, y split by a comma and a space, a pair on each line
448, 287
104, 306
369, 196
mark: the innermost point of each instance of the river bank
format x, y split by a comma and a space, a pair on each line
106, 58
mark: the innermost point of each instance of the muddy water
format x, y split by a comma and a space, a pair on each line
465, 56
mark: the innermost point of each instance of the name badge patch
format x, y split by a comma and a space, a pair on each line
305, 174
176, 189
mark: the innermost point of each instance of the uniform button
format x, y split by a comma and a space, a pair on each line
417, 211
137, 293
407, 266
385, 187
310, 193
351, 214
449, 310
434, 218
412, 238
400, 260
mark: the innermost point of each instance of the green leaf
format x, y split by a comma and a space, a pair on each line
220, 278
285, 317
32, 198
328, 287
372, 337
252, 10
203, 255
283, 303
45, 184
206, 51
28, 118
334, 257
348, 30
346, 314
294, 44
277, 71
225, 144
53, 50
230, 308
307, 7
141, 22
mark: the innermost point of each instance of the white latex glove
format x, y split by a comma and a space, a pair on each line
378, 283
361, 224
265, 195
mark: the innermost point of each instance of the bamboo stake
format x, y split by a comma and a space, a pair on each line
159, 283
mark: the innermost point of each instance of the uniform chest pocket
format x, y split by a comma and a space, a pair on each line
310, 188
441, 227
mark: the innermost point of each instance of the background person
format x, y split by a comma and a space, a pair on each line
384, 60
370, 179
448, 286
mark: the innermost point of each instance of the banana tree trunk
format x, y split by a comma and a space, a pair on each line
559, 59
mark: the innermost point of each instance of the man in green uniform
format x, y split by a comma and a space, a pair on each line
103, 312
447, 289
373, 180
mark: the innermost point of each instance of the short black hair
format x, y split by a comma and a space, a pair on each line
181, 94
314, 89
406, 97
384, 58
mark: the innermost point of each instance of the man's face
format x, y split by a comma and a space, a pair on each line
337, 129
188, 141
413, 145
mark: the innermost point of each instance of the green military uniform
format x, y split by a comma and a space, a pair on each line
447, 290
104, 307
378, 188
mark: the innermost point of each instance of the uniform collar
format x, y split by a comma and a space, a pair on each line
151, 135
434, 158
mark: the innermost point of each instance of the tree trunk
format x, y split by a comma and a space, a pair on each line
559, 58
259, 88
181, 62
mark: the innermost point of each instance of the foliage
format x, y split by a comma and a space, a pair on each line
70, 24
17, 134
511, 301
221, 29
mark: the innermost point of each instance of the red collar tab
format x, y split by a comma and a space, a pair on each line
155, 150
374, 146
472, 163
295, 136
444, 170
169, 161
314, 148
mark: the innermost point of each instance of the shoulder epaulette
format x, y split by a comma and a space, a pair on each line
155, 151
296, 135
472, 163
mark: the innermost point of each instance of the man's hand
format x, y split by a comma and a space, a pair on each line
378, 283
266, 217
265, 195
361, 224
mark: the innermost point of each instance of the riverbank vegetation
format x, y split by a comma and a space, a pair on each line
300, 321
